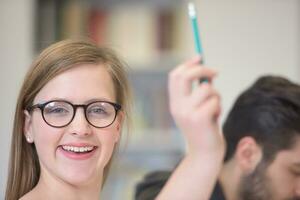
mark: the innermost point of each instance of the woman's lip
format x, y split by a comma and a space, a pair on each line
77, 156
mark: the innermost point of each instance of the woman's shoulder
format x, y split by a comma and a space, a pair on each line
26, 197
29, 196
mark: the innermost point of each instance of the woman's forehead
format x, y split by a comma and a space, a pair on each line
80, 83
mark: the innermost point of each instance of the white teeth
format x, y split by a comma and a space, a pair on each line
77, 149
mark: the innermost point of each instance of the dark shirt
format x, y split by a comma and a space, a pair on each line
217, 193
153, 182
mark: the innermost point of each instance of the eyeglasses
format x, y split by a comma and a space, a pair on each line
60, 113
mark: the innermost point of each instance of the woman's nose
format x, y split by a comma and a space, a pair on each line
79, 125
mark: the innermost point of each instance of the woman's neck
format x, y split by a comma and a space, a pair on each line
49, 188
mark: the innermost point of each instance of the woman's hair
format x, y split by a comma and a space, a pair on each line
24, 168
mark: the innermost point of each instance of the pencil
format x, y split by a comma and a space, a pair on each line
194, 22
197, 41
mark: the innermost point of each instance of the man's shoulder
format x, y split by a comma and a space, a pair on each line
217, 193
153, 182
151, 185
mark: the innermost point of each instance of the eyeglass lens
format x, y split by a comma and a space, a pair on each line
60, 113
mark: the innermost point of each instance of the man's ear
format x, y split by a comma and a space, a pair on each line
248, 154
27, 127
120, 121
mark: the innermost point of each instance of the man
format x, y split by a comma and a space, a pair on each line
262, 160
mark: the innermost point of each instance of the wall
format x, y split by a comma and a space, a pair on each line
16, 36
244, 39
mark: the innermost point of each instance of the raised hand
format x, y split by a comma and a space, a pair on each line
196, 110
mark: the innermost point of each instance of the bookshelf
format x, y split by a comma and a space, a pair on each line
151, 35
142, 31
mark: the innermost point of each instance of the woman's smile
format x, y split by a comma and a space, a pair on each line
77, 151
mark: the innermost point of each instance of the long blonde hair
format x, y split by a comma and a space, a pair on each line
24, 168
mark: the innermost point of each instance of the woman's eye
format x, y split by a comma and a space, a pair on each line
98, 111
56, 111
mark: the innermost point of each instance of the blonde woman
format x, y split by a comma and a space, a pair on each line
68, 122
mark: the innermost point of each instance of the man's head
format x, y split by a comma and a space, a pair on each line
262, 132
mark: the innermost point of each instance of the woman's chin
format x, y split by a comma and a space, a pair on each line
81, 181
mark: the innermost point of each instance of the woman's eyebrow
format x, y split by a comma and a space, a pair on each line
98, 99
85, 102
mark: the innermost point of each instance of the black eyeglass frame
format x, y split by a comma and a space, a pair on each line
42, 106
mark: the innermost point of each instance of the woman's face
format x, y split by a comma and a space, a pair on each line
55, 146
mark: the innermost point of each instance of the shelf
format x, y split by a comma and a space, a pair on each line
150, 35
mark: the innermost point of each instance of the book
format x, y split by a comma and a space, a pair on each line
72, 18
97, 25
132, 33
46, 32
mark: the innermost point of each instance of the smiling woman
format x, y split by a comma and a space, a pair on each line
70, 86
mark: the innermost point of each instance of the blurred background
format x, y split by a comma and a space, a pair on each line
242, 39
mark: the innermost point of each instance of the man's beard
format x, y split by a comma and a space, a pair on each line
256, 186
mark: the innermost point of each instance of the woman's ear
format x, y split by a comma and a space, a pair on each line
27, 130
120, 121
248, 154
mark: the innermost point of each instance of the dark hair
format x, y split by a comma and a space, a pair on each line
268, 111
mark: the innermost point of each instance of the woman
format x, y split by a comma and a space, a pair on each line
51, 139
69, 116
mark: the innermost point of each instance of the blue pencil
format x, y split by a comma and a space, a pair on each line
194, 21
198, 45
